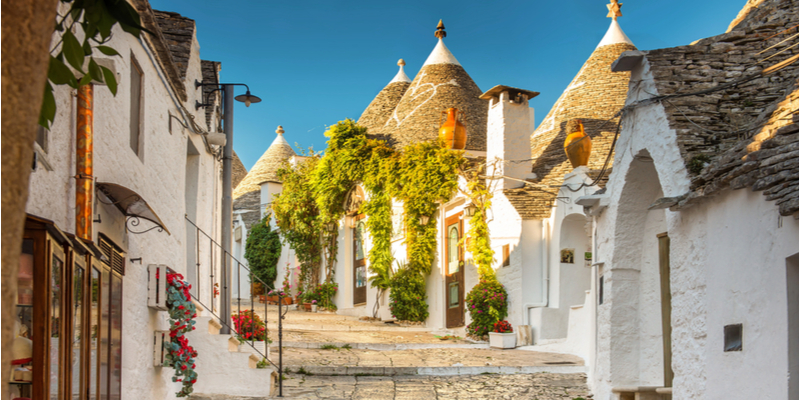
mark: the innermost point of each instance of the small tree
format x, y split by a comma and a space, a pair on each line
262, 251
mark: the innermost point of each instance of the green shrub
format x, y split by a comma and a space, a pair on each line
487, 303
407, 299
262, 251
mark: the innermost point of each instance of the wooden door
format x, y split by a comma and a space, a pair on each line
454, 271
666, 307
359, 261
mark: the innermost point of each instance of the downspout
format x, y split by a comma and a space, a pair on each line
84, 163
544, 278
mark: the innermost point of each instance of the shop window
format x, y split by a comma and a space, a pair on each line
68, 333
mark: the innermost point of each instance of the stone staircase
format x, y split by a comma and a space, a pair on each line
223, 369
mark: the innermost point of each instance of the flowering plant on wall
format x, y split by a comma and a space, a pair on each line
502, 327
182, 313
487, 303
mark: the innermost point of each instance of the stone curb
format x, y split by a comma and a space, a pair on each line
438, 371
384, 346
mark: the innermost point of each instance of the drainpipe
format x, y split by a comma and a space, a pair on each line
544, 277
84, 163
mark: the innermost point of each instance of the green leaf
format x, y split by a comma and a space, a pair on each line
60, 74
48, 112
87, 48
106, 21
109, 51
85, 80
127, 16
94, 70
110, 80
73, 51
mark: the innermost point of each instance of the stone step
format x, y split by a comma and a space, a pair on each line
434, 371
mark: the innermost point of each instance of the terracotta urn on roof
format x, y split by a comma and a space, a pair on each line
453, 130
578, 144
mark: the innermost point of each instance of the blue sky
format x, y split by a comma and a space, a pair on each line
316, 63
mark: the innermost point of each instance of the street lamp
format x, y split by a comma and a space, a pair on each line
227, 187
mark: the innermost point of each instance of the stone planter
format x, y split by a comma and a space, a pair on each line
502, 340
313, 308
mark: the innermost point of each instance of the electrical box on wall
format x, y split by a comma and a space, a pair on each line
157, 286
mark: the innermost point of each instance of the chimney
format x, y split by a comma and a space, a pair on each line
510, 125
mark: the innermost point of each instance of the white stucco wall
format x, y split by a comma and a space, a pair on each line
158, 175
727, 264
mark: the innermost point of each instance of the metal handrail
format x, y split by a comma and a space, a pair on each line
240, 266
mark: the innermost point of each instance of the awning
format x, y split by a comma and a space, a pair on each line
130, 203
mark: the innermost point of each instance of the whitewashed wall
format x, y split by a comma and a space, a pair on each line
158, 176
728, 261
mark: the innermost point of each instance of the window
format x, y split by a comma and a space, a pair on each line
41, 138
136, 106
506, 255
75, 302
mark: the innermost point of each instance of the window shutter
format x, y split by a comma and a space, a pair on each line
114, 255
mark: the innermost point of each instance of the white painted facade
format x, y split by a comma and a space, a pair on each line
729, 256
175, 172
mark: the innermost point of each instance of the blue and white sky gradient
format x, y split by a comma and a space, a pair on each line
314, 63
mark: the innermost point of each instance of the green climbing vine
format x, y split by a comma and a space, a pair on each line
421, 176
296, 215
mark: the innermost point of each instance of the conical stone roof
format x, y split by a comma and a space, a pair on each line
382, 106
594, 95
266, 166
441, 83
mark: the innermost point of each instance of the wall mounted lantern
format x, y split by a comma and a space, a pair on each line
423, 220
470, 210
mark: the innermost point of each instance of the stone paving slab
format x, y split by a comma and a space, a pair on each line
437, 361
388, 346
542, 386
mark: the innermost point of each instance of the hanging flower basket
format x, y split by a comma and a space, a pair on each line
182, 313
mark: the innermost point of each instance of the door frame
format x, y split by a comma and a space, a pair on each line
357, 301
454, 317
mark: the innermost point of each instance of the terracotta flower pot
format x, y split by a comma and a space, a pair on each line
453, 130
287, 301
307, 306
262, 299
578, 145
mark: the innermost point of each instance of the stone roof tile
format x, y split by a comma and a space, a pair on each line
266, 167
440, 84
595, 95
743, 135
179, 33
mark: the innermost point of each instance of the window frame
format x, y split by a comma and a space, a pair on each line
136, 68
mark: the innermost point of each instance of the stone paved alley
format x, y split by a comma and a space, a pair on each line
330, 356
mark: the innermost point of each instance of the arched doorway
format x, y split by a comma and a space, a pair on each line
637, 283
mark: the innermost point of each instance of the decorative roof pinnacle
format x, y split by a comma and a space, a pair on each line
440, 33
401, 62
280, 130
614, 9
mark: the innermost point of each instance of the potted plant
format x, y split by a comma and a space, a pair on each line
257, 289
251, 328
502, 336
313, 306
